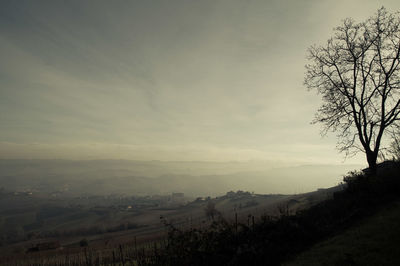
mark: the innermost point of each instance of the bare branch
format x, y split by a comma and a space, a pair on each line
357, 75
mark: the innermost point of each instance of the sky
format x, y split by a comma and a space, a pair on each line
165, 80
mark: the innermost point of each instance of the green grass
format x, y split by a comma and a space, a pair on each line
373, 241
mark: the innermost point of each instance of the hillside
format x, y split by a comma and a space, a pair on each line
372, 241
106, 222
368, 202
347, 225
275, 240
29, 218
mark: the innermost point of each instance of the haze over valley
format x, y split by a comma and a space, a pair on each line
139, 178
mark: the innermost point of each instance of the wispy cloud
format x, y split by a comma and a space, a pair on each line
222, 75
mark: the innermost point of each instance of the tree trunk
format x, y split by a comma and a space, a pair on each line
371, 158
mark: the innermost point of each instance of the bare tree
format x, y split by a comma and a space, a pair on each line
357, 74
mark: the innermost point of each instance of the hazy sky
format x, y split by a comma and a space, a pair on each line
165, 80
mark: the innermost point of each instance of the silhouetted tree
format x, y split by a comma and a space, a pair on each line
357, 74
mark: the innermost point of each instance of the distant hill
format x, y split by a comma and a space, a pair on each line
156, 177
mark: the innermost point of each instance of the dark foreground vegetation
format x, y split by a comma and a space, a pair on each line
275, 240
271, 240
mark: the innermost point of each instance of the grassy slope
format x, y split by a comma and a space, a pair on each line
373, 241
